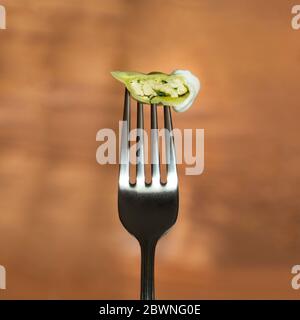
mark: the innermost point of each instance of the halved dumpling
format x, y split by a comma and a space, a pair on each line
178, 89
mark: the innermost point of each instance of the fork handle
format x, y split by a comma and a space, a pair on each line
147, 269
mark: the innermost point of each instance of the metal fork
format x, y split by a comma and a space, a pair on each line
147, 210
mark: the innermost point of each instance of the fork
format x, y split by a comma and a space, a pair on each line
147, 210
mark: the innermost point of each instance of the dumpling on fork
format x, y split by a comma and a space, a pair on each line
178, 89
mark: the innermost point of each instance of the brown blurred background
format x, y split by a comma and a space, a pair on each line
238, 231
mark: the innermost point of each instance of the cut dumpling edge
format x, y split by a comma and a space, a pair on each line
194, 86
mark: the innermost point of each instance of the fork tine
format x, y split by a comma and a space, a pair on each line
170, 148
140, 171
125, 144
154, 145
